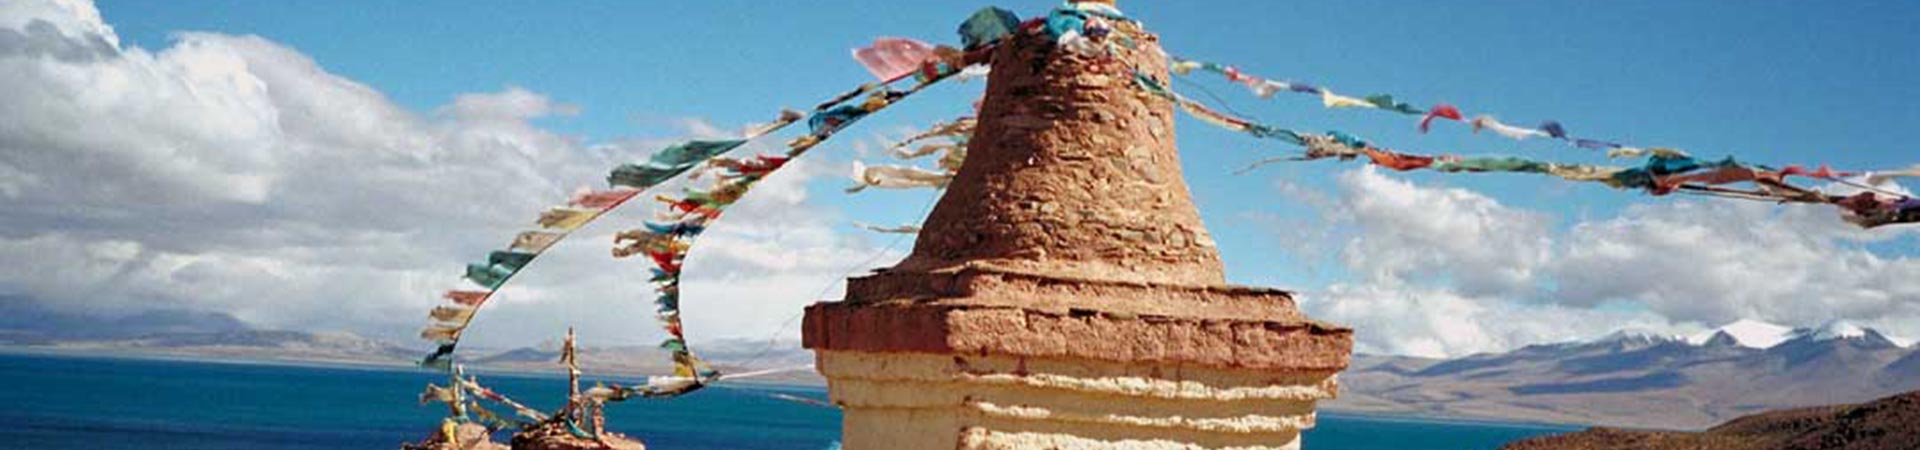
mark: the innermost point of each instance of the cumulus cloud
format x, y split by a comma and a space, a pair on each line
235, 174
1447, 271
1720, 261
1407, 231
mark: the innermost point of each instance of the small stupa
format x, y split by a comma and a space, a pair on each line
580, 425
1063, 293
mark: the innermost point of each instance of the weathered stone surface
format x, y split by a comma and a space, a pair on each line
1072, 171
467, 436
977, 311
554, 436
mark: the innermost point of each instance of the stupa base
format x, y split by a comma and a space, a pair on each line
911, 401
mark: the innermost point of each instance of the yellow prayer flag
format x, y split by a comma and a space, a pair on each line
1332, 100
566, 219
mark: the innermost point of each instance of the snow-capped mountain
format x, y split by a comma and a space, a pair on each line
1638, 378
1747, 333
1762, 335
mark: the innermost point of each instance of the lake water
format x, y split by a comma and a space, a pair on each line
66, 402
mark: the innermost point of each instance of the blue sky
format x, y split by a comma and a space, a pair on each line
1772, 82
1776, 82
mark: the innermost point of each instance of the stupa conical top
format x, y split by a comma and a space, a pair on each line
1073, 171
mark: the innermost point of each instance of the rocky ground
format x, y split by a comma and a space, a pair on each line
1891, 423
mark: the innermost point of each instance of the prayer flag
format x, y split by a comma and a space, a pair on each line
1444, 111
534, 241
988, 25
890, 57
566, 219
467, 298
669, 162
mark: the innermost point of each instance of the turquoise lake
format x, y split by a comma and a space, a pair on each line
64, 402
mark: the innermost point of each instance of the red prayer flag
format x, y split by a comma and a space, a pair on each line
1823, 172
1397, 161
468, 298
1441, 110
889, 57
602, 199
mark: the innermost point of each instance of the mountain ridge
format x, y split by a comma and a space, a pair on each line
1638, 379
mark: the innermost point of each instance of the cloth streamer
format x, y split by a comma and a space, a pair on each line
1516, 133
891, 57
987, 26
896, 177
896, 229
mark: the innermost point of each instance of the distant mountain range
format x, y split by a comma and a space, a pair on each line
212, 335
1629, 379
1643, 380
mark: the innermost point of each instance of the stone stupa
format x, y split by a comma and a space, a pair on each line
1063, 294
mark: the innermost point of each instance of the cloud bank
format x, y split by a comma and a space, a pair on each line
1445, 271
231, 173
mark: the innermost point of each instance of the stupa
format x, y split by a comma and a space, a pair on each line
1063, 293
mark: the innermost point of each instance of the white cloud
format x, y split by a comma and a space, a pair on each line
233, 173
1719, 261
1445, 271
1407, 231
1436, 322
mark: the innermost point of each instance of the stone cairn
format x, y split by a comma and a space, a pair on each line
1064, 294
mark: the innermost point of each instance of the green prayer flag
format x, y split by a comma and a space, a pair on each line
669, 162
489, 275
510, 259
674, 345
1491, 164
988, 25
1386, 102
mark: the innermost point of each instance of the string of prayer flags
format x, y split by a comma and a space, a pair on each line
667, 242
581, 208
1665, 171
1219, 119
891, 57
472, 386
1264, 88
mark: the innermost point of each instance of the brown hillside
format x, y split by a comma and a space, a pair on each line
1891, 423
